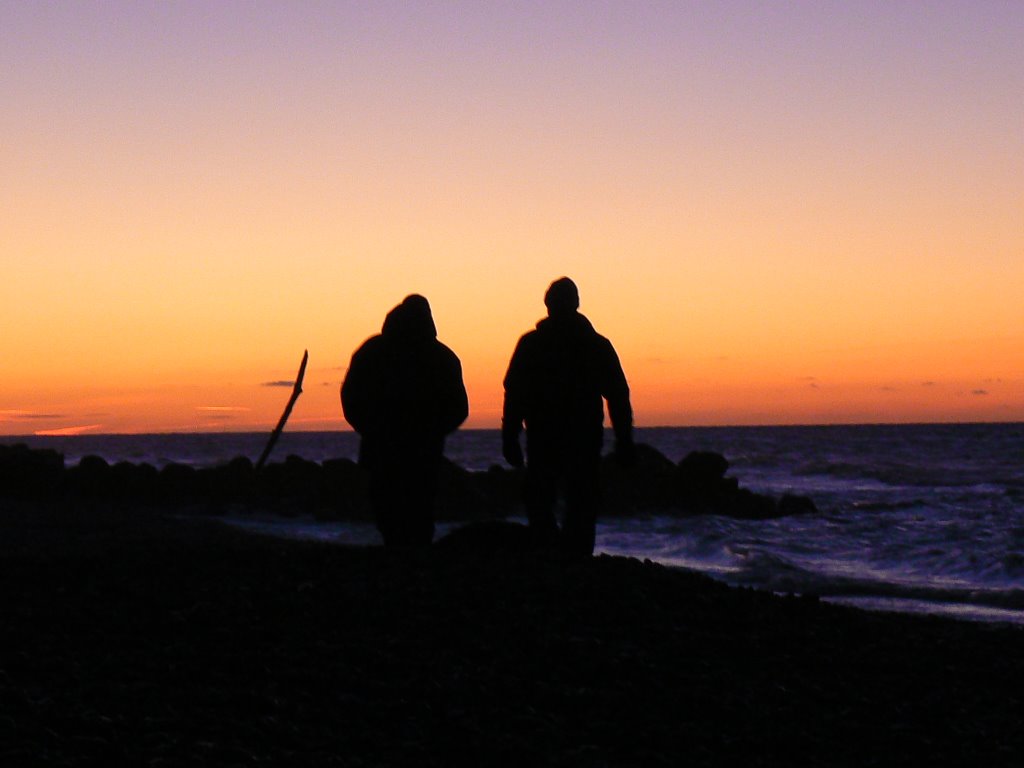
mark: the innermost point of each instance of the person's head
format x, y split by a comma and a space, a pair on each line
562, 297
411, 320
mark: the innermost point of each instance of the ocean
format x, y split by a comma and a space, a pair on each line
911, 518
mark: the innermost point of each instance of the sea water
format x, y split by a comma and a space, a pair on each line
911, 518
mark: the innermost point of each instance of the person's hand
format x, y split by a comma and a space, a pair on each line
512, 451
625, 452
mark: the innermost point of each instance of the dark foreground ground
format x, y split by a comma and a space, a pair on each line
182, 642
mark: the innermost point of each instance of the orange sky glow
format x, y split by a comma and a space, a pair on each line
779, 214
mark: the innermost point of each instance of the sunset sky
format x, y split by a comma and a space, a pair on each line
779, 212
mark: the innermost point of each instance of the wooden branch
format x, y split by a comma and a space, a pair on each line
296, 391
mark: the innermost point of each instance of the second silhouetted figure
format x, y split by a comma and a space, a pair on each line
557, 381
403, 394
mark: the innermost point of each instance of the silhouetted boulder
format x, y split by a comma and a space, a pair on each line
26, 472
747, 505
231, 482
703, 488
292, 487
178, 483
649, 461
132, 482
791, 504
338, 489
701, 473
729, 485
90, 477
648, 484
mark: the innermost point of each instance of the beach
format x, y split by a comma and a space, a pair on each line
915, 518
165, 641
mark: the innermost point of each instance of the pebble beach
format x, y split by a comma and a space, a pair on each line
158, 640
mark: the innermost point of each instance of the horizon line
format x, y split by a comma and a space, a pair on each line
349, 430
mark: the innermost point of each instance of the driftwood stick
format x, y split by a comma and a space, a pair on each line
296, 391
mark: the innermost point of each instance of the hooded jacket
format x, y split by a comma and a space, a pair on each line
403, 391
557, 379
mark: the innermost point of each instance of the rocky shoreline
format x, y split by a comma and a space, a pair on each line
336, 489
141, 638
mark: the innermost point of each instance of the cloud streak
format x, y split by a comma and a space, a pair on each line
15, 415
67, 431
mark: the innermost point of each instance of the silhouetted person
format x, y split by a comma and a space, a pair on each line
403, 394
556, 382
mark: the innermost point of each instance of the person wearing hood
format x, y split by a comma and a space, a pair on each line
558, 378
403, 393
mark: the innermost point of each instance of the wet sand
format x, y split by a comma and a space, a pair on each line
172, 642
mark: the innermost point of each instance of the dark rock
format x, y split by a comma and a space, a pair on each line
28, 472
701, 472
339, 488
90, 478
702, 488
729, 485
178, 483
293, 487
700, 485
132, 482
93, 464
648, 484
231, 482
791, 504
650, 461
747, 505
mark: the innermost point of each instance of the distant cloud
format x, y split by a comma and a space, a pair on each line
29, 416
280, 383
928, 383
888, 388
220, 416
67, 431
979, 391
222, 408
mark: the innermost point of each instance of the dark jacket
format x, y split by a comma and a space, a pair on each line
403, 391
555, 383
